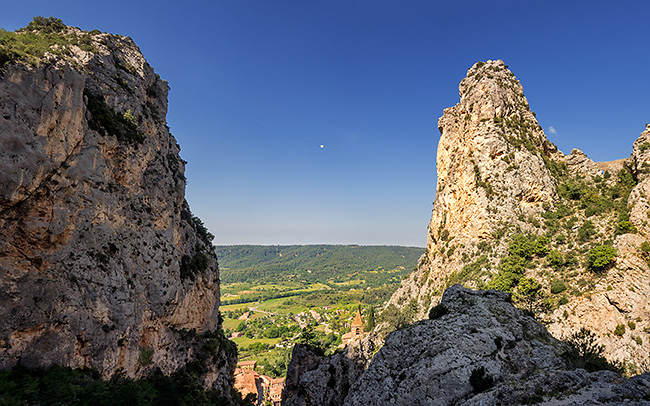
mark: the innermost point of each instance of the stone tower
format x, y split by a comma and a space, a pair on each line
356, 329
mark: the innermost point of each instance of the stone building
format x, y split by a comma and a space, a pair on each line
249, 365
275, 391
265, 388
248, 381
356, 330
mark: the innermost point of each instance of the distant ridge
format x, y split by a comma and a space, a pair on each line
313, 263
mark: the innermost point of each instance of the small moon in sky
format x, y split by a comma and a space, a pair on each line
321, 145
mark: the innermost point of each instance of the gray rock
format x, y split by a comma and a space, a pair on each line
101, 263
314, 379
497, 175
431, 362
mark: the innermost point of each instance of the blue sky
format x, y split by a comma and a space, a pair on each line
257, 86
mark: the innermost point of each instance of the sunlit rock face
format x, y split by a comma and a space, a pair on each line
491, 172
102, 264
499, 176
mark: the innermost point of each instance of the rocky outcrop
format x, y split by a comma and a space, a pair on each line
478, 349
575, 388
430, 362
580, 165
641, 154
314, 379
491, 172
499, 177
638, 200
101, 262
480, 342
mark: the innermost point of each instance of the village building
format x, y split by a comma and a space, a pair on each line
275, 391
249, 365
356, 330
265, 388
247, 382
237, 334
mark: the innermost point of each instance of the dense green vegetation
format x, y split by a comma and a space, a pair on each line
315, 273
64, 386
315, 263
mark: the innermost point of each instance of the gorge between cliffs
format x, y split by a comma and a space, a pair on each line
533, 288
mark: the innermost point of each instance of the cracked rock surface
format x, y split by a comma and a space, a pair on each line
431, 362
497, 177
100, 257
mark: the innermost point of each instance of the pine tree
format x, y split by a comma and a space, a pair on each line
370, 324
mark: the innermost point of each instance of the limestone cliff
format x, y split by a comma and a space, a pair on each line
102, 263
491, 172
562, 233
314, 379
477, 349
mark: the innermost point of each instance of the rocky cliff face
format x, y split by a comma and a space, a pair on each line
563, 236
314, 379
478, 349
491, 172
102, 264
514, 213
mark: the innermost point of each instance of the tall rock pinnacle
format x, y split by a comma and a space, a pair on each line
491, 171
565, 235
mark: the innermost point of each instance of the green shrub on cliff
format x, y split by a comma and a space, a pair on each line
527, 293
554, 259
46, 25
43, 35
106, 121
601, 257
557, 286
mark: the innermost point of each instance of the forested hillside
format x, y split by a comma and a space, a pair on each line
315, 263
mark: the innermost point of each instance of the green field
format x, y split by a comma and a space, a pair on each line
245, 342
287, 288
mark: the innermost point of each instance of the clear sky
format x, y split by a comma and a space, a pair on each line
258, 86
